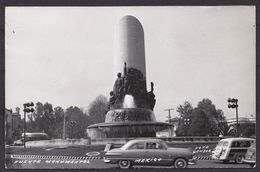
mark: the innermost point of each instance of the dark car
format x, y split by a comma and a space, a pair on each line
250, 156
149, 152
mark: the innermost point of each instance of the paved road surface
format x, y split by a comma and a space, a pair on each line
63, 162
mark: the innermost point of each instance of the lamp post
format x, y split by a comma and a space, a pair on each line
232, 103
64, 126
26, 109
73, 124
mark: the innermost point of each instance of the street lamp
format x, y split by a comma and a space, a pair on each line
232, 103
186, 121
73, 123
26, 109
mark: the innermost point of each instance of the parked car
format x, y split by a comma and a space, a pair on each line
150, 152
250, 156
230, 149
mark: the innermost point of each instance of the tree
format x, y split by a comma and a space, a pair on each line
45, 118
76, 122
185, 111
247, 129
97, 109
222, 122
58, 122
213, 115
200, 123
204, 120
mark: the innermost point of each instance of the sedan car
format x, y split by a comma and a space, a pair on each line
250, 157
149, 152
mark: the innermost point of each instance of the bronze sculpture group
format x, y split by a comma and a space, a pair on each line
131, 83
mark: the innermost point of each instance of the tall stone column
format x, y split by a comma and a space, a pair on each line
129, 45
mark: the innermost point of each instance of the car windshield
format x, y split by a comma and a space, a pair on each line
127, 145
139, 145
222, 144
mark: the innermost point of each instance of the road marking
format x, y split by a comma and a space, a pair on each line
14, 156
92, 153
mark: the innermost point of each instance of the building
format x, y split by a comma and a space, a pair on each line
244, 126
13, 125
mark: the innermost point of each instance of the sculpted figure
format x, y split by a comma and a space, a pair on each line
151, 97
112, 99
118, 86
125, 70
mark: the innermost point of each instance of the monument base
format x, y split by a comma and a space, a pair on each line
127, 123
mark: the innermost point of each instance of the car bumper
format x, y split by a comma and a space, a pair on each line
192, 161
107, 160
249, 161
111, 161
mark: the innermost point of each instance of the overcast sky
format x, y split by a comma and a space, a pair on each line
64, 55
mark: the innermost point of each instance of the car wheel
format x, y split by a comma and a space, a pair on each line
124, 164
180, 163
239, 159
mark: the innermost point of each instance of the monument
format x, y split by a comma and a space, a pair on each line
130, 110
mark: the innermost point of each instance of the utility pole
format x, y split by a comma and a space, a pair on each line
169, 116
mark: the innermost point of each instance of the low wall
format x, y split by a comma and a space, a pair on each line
57, 143
176, 140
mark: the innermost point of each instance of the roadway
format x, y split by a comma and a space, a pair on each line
96, 162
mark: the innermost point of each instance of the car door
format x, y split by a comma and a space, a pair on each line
157, 154
135, 153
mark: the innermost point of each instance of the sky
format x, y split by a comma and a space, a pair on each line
64, 55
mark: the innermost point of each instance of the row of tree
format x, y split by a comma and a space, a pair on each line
51, 120
206, 120
203, 120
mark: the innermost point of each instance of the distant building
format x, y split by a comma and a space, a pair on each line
243, 124
241, 120
171, 132
166, 133
13, 125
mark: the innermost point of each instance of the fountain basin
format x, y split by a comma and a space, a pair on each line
129, 115
127, 129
